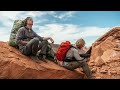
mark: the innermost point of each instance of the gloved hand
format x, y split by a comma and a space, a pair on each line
85, 55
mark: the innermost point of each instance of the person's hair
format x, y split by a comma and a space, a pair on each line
80, 43
25, 21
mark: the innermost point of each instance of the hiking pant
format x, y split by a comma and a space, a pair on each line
33, 46
76, 64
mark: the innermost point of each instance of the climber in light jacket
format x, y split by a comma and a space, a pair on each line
73, 59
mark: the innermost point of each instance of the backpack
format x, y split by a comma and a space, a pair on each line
17, 24
62, 50
50, 53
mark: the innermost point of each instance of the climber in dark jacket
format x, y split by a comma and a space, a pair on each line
29, 42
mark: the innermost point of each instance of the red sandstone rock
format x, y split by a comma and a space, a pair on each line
99, 61
107, 49
14, 65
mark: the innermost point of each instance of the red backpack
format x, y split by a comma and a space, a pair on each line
62, 50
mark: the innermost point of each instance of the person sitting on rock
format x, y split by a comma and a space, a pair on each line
73, 59
29, 42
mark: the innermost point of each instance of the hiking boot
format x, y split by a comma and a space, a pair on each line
90, 77
34, 57
42, 57
51, 58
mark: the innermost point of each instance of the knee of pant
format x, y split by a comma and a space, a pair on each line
83, 63
45, 42
36, 40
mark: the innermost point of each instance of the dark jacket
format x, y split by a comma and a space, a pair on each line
24, 34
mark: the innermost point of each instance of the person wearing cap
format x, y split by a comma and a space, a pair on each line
29, 42
73, 59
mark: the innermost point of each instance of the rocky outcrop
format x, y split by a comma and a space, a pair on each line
105, 55
14, 65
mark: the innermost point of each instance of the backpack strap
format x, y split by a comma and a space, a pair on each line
73, 47
68, 59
